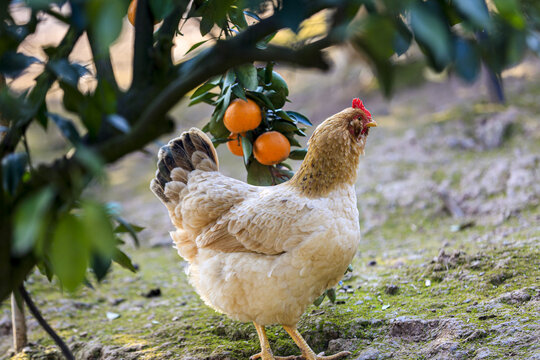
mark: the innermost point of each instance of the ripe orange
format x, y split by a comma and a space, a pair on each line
271, 148
132, 9
242, 116
235, 145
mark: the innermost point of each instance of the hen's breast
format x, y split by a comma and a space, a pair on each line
270, 289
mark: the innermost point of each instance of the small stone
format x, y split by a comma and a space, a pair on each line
391, 289
117, 301
153, 293
369, 354
5, 326
482, 353
112, 315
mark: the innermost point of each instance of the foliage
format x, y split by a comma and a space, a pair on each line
46, 220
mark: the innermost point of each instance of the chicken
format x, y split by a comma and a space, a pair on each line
263, 254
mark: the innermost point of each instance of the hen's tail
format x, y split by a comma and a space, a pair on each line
193, 150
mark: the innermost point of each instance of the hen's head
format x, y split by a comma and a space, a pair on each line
334, 151
349, 127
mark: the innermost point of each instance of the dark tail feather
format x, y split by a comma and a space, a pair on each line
193, 150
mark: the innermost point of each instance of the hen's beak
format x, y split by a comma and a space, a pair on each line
371, 123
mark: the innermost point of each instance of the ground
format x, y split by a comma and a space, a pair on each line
448, 267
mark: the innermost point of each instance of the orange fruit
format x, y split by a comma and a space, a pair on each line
271, 148
235, 145
242, 116
132, 9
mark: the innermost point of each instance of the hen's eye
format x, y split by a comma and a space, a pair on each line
356, 128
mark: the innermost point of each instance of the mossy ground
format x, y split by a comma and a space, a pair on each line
425, 285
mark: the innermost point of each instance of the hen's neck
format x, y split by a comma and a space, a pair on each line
329, 164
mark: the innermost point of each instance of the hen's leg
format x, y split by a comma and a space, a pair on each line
266, 351
307, 353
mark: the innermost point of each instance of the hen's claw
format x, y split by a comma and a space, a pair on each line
269, 356
339, 355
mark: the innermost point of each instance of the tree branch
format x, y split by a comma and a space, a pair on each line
167, 31
142, 55
35, 312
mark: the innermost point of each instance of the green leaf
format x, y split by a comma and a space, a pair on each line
259, 174
123, 260
64, 71
106, 22
70, 251
13, 168
299, 118
12, 63
161, 8
402, 37
206, 25
100, 265
126, 227
475, 11
30, 221
247, 76
283, 114
331, 293
90, 160
431, 30
206, 98
195, 46
261, 99
292, 140
283, 126
229, 79
277, 99
467, 61
509, 10
237, 17
252, 15
66, 128
299, 154
239, 92
118, 122
204, 88
99, 228
318, 301
247, 148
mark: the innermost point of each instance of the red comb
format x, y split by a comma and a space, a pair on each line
357, 104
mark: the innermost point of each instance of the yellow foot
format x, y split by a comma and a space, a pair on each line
264, 355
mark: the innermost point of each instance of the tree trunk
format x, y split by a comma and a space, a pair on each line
19, 324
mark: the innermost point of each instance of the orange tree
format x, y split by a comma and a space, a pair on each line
45, 219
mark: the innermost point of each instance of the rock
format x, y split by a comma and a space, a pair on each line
337, 345
491, 131
5, 326
391, 289
153, 293
88, 351
482, 353
443, 350
414, 329
515, 297
369, 354
499, 278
